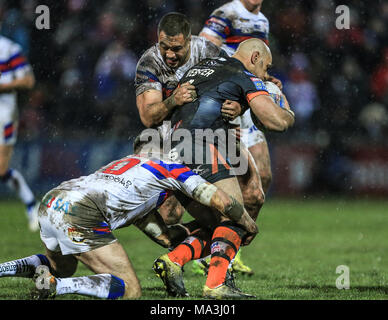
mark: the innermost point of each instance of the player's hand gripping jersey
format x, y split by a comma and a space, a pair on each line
216, 80
13, 65
80, 214
233, 23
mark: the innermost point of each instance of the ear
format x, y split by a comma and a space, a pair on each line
255, 57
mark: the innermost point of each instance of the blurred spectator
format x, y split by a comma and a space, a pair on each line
117, 64
379, 85
301, 92
374, 118
14, 27
85, 63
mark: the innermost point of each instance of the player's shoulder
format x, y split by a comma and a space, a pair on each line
9, 46
204, 48
201, 42
6, 41
150, 59
263, 17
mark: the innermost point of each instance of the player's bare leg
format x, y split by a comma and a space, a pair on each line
253, 197
16, 182
226, 239
60, 265
251, 187
260, 154
114, 275
5, 158
114, 260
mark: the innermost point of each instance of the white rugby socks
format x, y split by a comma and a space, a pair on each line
101, 285
24, 267
16, 182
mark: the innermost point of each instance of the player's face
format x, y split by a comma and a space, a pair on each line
262, 65
252, 5
174, 49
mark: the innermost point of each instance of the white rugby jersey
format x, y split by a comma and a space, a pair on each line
153, 73
131, 187
13, 65
233, 23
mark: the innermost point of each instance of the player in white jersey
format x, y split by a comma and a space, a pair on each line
77, 219
16, 75
227, 27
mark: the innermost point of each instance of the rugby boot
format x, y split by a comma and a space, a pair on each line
172, 276
229, 277
45, 286
239, 267
225, 292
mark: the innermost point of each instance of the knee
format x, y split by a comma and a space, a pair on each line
254, 197
132, 291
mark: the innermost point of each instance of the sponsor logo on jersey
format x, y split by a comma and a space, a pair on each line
260, 86
200, 72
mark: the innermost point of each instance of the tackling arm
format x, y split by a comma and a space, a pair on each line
156, 229
153, 109
271, 115
211, 196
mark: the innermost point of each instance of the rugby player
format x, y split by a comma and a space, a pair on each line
158, 72
236, 78
77, 219
16, 75
157, 75
227, 27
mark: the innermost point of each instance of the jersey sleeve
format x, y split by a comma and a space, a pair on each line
251, 86
146, 75
218, 25
174, 176
17, 62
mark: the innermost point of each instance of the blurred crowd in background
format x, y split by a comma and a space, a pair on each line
336, 80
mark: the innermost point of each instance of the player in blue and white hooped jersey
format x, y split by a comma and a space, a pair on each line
77, 219
16, 75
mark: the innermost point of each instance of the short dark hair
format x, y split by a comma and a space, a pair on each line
174, 23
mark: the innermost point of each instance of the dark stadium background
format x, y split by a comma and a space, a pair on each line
82, 112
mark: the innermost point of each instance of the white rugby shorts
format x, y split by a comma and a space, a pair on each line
9, 123
71, 223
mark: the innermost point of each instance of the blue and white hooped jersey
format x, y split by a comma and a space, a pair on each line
13, 65
233, 23
129, 188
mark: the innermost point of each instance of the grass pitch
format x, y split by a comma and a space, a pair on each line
295, 256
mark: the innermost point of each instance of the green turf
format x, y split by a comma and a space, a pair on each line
295, 256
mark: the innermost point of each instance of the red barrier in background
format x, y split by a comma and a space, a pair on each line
293, 169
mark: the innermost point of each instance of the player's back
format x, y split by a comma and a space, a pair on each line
129, 188
216, 80
233, 23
